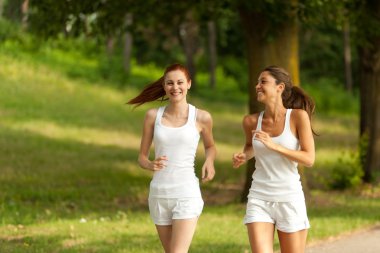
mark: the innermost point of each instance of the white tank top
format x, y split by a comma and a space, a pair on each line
276, 177
179, 144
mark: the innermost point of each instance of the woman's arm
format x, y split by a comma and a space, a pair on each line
249, 123
306, 154
146, 142
205, 125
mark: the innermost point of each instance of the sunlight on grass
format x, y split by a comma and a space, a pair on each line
325, 155
31, 79
82, 135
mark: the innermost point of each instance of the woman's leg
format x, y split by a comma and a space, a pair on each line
292, 242
165, 234
182, 234
261, 236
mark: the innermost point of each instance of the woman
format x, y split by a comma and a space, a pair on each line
175, 200
280, 138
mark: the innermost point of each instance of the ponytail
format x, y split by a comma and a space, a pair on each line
292, 97
152, 92
298, 99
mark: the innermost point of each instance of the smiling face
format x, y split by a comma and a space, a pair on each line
267, 89
176, 85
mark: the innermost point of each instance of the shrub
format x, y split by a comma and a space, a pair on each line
347, 172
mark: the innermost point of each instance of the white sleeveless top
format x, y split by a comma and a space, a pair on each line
179, 144
276, 177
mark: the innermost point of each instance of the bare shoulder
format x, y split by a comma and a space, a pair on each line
150, 115
203, 116
299, 115
250, 120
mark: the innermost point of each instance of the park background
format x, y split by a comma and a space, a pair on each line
69, 178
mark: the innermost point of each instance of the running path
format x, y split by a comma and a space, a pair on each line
362, 242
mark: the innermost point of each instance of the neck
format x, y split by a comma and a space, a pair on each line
275, 111
177, 109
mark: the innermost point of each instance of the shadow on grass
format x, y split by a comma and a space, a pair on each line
213, 247
344, 205
44, 178
131, 243
122, 242
67, 177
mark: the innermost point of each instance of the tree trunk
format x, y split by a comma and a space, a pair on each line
24, 12
1, 8
281, 51
110, 46
212, 52
347, 55
189, 32
128, 40
370, 94
370, 106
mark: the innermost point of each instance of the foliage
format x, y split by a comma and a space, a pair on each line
10, 31
330, 96
11, 9
321, 54
347, 172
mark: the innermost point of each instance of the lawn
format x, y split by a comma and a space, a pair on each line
69, 179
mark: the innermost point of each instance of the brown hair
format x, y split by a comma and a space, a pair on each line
155, 90
292, 96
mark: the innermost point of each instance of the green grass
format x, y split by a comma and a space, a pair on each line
69, 178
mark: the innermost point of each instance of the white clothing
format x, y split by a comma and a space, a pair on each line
276, 177
179, 145
287, 217
164, 210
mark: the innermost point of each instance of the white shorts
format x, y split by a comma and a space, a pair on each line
288, 217
164, 210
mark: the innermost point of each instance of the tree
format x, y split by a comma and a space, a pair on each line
1, 8
25, 12
272, 39
189, 31
347, 56
368, 31
212, 52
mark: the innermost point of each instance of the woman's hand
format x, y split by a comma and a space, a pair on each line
158, 163
238, 159
264, 138
208, 171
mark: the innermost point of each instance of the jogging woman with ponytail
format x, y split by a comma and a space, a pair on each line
175, 200
280, 138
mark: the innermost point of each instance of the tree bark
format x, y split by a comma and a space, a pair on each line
370, 106
370, 94
212, 52
1, 8
283, 51
128, 41
24, 13
189, 32
347, 55
110, 45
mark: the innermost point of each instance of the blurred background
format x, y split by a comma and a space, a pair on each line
69, 178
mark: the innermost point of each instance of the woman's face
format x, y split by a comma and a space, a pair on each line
266, 88
176, 85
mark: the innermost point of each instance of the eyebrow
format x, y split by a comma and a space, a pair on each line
170, 80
